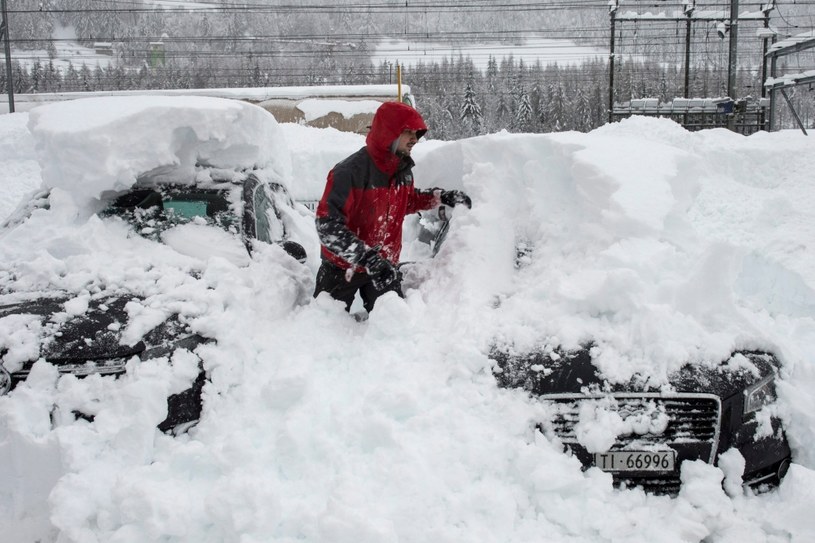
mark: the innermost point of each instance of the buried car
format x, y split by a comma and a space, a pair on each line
121, 263
640, 431
642, 434
236, 213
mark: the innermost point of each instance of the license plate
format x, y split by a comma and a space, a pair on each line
635, 460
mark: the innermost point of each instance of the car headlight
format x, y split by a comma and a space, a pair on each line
759, 394
5, 380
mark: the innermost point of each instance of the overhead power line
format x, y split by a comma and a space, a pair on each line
375, 8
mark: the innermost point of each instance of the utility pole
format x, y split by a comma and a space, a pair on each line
733, 59
5, 36
766, 9
398, 82
773, 71
689, 8
612, 10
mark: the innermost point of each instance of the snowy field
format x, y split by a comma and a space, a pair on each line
66, 52
660, 245
530, 50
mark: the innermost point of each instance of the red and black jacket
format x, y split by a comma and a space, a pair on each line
368, 194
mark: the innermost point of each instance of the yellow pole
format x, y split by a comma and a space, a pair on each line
398, 82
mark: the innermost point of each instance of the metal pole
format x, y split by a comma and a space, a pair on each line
773, 70
764, 46
764, 42
612, 7
732, 59
4, 33
689, 13
794, 113
398, 82
687, 59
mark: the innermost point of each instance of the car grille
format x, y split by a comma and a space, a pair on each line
691, 418
693, 422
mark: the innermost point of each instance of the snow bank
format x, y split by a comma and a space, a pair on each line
638, 236
315, 151
660, 245
87, 146
18, 161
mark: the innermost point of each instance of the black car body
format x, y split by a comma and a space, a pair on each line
702, 412
91, 343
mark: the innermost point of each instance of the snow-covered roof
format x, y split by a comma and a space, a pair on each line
793, 44
789, 80
253, 94
697, 15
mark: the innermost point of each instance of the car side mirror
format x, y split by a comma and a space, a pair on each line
295, 250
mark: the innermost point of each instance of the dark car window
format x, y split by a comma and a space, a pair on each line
152, 212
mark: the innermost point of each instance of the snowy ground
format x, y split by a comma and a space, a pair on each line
529, 50
66, 51
659, 244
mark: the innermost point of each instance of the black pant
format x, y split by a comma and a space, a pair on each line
332, 279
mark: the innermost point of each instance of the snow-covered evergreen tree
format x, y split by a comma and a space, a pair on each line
502, 113
523, 115
36, 76
470, 113
556, 110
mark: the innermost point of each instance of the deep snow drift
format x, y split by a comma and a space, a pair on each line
662, 246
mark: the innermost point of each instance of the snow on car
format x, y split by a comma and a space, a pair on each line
126, 239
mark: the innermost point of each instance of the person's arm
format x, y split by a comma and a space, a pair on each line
430, 198
422, 199
332, 219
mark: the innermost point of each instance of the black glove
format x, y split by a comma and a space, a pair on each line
380, 270
454, 197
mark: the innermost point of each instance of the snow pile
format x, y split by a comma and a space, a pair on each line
122, 138
18, 162
599, 424
315, 151
638, 236
660, 245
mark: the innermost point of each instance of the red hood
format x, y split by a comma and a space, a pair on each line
389, 121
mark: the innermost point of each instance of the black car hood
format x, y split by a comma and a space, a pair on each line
573, 372
92, 335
